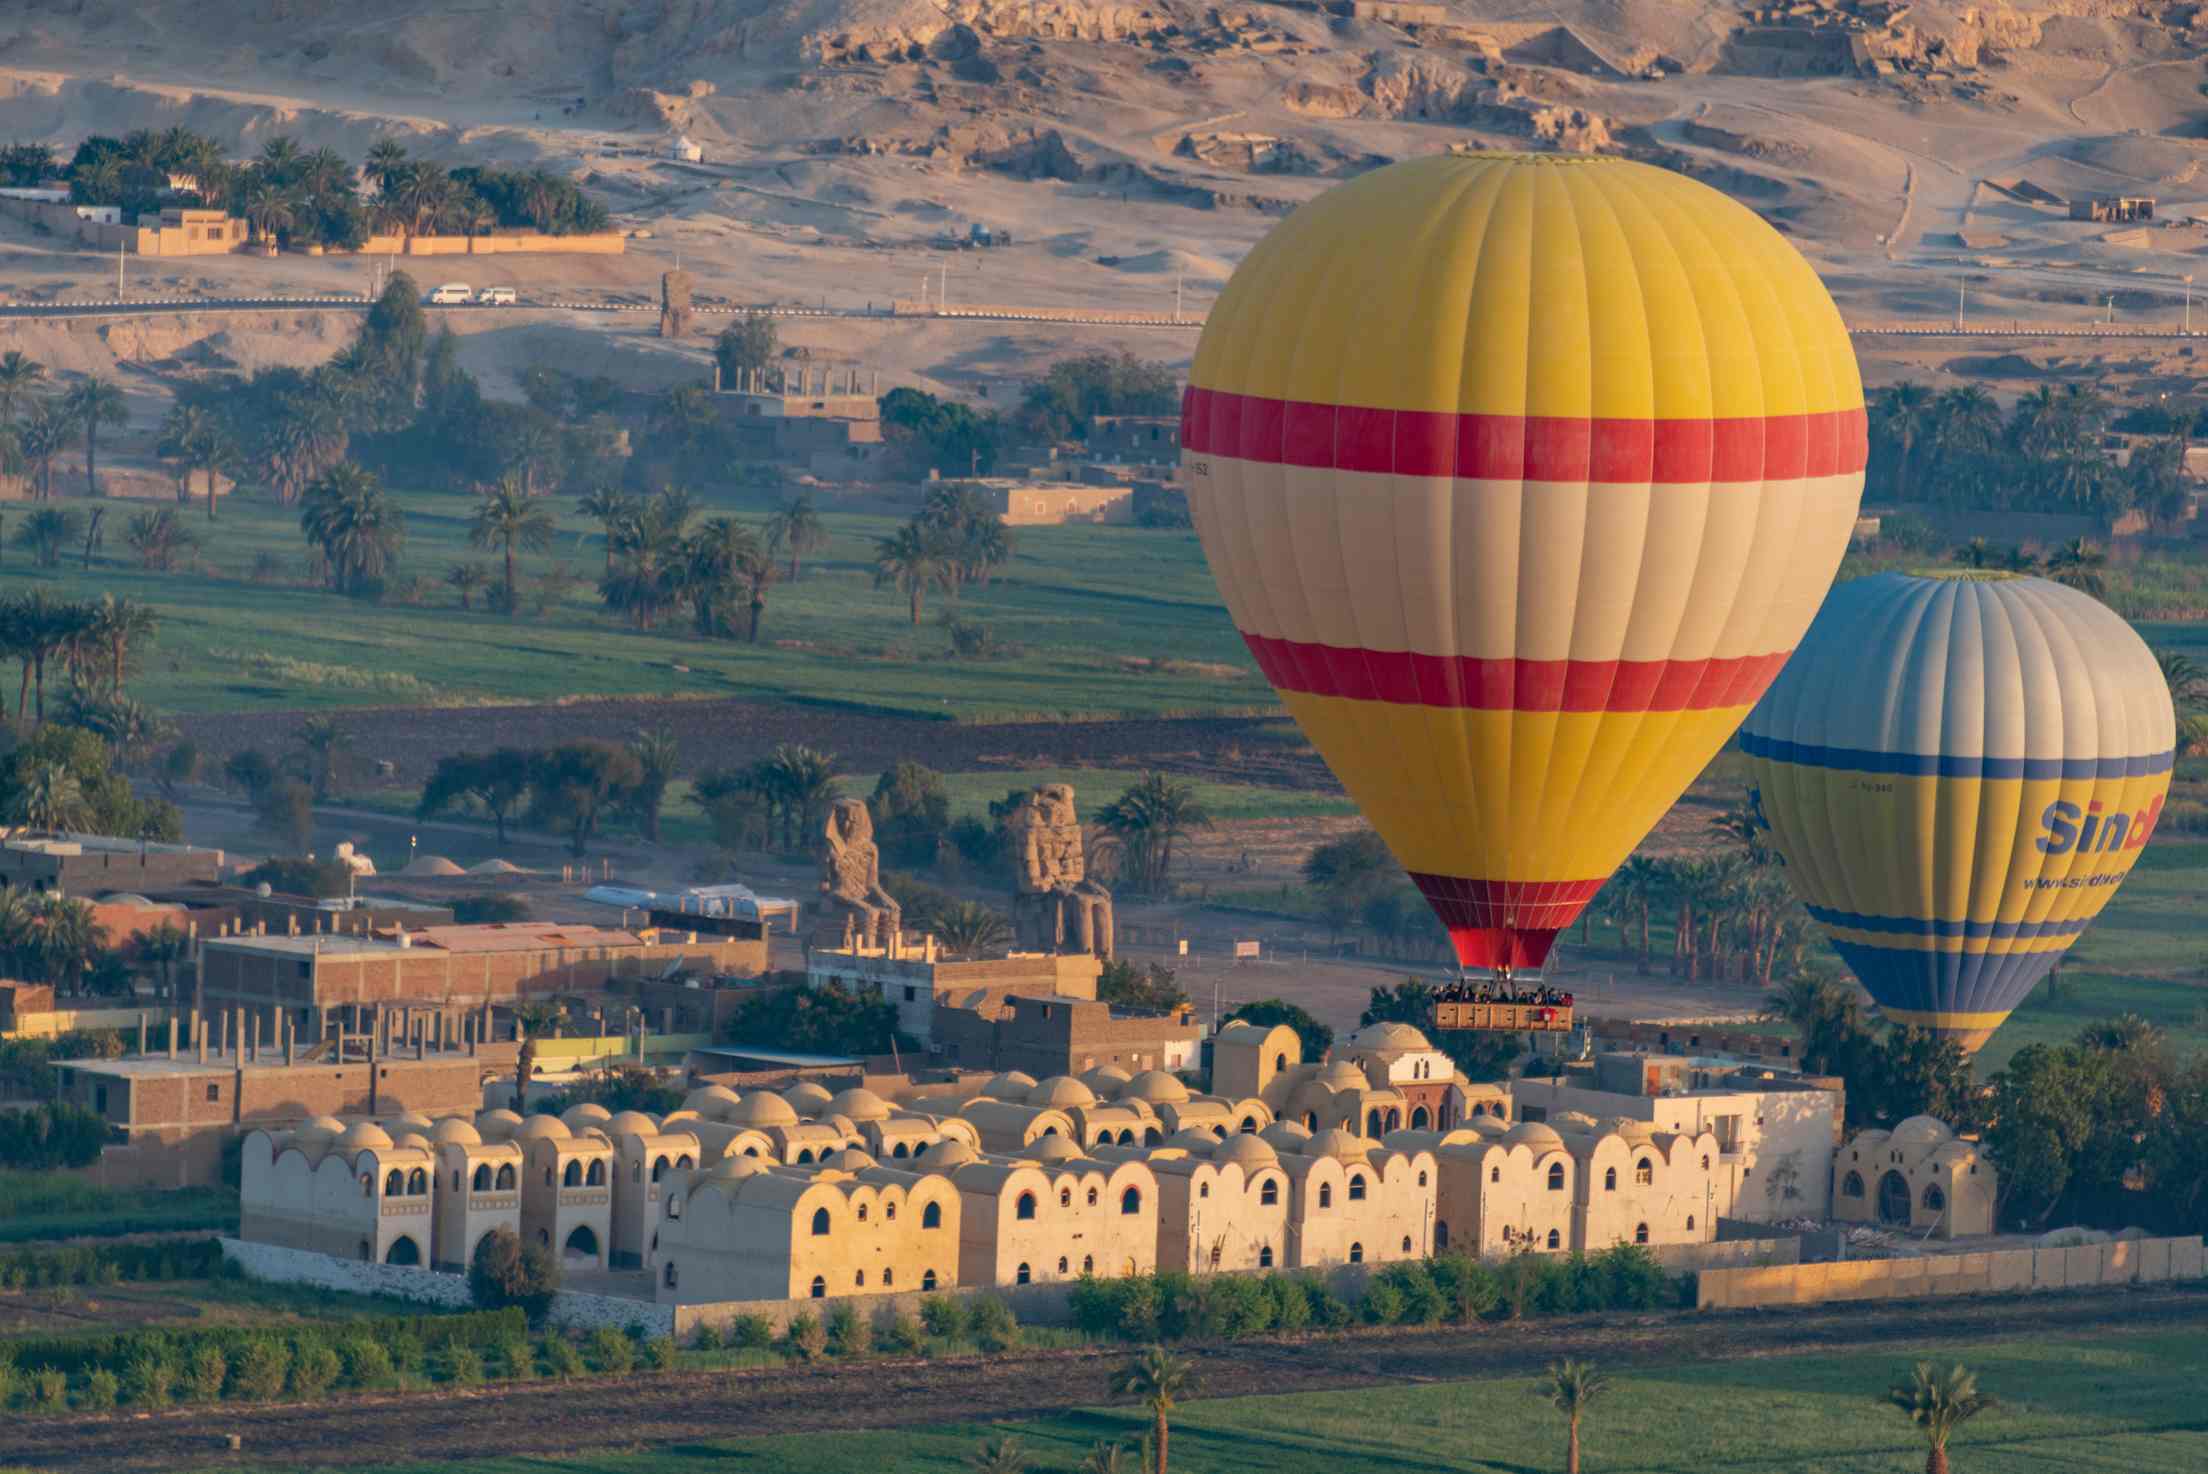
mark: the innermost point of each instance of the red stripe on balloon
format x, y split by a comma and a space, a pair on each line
1465, 682
1283, 432
1504, 923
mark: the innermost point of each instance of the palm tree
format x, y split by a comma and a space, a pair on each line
51, 801
718, 560
2077, 563
467, 580
657, 756
117, 625
323, 740
608, 506
158, 537
94, 402
910, 559
1904, 416
19, 378
43, 433
45, 532
385, 156
1572, 1388
801, 783
1965, 421
162, 949
65, 936
1106, 1458
358, 528
269, 210
1159, 1380
650, 545
969, 930
280, 154
2187, 681
1938, 1403
533, 1021
796, 526
1641, 884
1003, 1454
508, 518
1146, 819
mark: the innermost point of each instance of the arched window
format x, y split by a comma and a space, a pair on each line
1690, 1223
820, 1288
1395, 1119
1406, 1243
1310, 1120
482, 1177
1372, 1122
1065, 1266
505, 1178
927, 1281
1422, 1179
1050, 1131
1326, 1194
1203, 1189
860, 1280
1640, 1233
674, 1205
1556, 1240
1609, 1179
1935, 1201
1441, 1235
659, 1168
684, 1162
1419, 1119
636, 1171
1152, 1136
669, 1276
1025, 1207
932, 1216
395, 1184
1088, 1264
1479, 1108
417, 1183
820, 1223
1127, 1138
596, 1176
456, 1179
1356, 1187
1130, 1201
1269, 1193
889, 1277
1065, 1197
1556, 1177
1494, 1174
1249, 1125
1265, 1257
1705, 1161
1220, 1132
1851, 1186
862, 1212
889, 1211
1023, 1275
751, 1151
1644, 1171
805, 1154
898, 1150
1092, 1197
1356, 1253
1280, 1061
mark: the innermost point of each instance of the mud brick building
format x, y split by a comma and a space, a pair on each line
920, 983
95, 865
1058, 1035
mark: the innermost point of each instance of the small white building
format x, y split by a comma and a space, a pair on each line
1919, 1176
681, 147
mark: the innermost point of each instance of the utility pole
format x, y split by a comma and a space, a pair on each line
2188, 304
118, 270
1962, 285
1177, 296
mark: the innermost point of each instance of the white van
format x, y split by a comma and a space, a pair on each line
497, 297
452, 292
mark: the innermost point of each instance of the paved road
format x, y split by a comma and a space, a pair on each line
184, 306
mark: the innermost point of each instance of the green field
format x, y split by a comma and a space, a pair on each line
1096, 621
2110, 1403
47, 1205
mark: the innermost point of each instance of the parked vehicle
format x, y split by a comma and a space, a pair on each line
453, 292
497, 297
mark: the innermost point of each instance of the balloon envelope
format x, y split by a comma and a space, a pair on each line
1959, 770
1521, 475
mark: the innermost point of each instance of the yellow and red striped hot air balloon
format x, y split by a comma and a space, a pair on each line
1521, 475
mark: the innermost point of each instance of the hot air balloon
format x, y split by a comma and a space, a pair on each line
1959, 769
1521, 475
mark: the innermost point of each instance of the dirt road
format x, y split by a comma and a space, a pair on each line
657, 1410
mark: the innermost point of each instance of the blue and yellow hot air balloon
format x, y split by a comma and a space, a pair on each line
1959, 769
1521, 475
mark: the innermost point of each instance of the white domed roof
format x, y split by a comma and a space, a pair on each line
1335, 1142
543, 1128
1389, 1036
413, 1118
710, 1100
362, 1135
1532, 1134
497, 1125
1105, 1080
1193, 1138
1011, 1085
806, 1098
589, 1113
673, 1119
850, 1159
734, 1169
1487, 1125
1286, 1136
949, 1152
1157, 1087
1340, 1074
632, 1123
320, 1126
411, 1136
859, 1104
1921, 1131
1055, 1149
1061, 1092
761, 1109
457, 1131
1245, 1149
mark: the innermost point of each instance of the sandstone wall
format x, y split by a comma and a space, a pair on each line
1995, 1272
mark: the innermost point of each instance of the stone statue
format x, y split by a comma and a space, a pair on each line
674, 304
851, 878
1055, 906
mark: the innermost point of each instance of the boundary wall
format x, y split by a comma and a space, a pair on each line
1994, 1272
574, 1310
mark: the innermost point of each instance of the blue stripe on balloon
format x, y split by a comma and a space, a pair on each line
1917, 981
1975, 931
1933, 765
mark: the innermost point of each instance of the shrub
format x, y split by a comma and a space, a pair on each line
408, 1350
1383, 1303
209, 1368
1328, 1309
1632, 1279
944, 1317
516, 1359
99, 1391
1291, 1307
464, 1366
1519, 1279
51, 1389
1468, 1288
849, 1333
805, 1338
898, 1330
1422, 1302
1228, 1306
150, 1380
257, 1372
563, 1360
659, 1353
1095, 1305
314, 1371
367, 1364
610, 1351
504, 1271
705, 1337
750, 1333
995, 1327
7, 1382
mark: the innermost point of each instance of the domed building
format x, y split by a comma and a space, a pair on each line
1385, 1077
1920, 1176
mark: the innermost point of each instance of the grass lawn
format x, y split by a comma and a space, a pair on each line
1095, 621
2108, 1402
42, 1205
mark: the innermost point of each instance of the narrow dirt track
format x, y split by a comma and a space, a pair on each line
649, 1411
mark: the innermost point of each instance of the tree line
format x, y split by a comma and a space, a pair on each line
939, 434
573, 789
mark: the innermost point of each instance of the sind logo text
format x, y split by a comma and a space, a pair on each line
2090, 831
